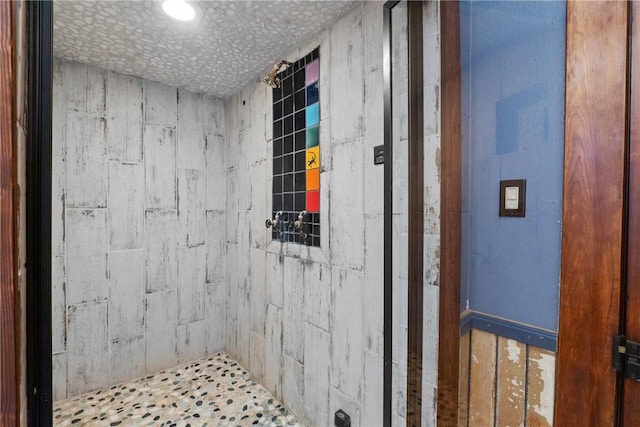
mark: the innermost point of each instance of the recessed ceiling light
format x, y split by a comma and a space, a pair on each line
179, 9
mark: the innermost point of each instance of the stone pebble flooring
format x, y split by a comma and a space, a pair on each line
214, 391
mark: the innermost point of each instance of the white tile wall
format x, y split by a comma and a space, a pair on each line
324, 307
130, 238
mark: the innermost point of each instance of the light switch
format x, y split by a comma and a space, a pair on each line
512, 197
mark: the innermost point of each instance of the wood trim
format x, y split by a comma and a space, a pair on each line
631, 393
595, 109
9, 371
416, 213
450, 211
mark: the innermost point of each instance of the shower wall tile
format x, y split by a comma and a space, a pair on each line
372, 21
346, 339
257, 290
84, 88
242, 265
121, 241
231, 206
160, 251
216, 173
58, 305
126, 206
86, 161
260, 235
346, 92
59, 376
215, 246
244, 181
88, 351
317, 294
58, 162
244, 108
161, 315
126, 294
191, 282
260, 108
293, 391
215, 315
191, 207
127, 358
231, 279
317, 342
293, 309
243, 334
191, 341
160, 104
275, 279
373, 273
124, 109
373, 131
273, 362
347, 233
256, 356
372, 388
160, 167
191, 134
86, 255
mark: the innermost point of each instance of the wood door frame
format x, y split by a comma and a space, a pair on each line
9, 307
450, 215
593, 212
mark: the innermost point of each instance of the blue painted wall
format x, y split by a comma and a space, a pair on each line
513, 71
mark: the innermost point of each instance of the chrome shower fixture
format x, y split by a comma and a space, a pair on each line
271, 78
274, 223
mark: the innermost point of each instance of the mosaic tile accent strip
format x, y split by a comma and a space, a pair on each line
213, 391
296, 150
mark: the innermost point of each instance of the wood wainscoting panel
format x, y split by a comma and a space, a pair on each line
505, 382
463, 387
512, 372
482, 387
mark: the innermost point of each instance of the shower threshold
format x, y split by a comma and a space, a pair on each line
213, 391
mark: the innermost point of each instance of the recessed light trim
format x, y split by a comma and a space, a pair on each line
179, 10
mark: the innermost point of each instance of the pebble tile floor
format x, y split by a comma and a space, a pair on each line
214, 391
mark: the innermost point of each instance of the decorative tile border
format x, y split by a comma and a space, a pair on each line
296, 150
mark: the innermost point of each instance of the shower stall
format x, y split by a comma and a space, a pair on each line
171, 300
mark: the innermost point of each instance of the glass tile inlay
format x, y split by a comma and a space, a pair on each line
296, 151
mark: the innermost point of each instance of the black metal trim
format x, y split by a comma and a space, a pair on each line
388, 213
38, 212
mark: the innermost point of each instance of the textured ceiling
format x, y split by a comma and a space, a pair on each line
230, 44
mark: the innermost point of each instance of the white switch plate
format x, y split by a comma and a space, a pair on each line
511, 197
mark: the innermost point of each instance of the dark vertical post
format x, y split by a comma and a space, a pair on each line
450, 211
388, 213
38, 214
416, 213
9, 319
